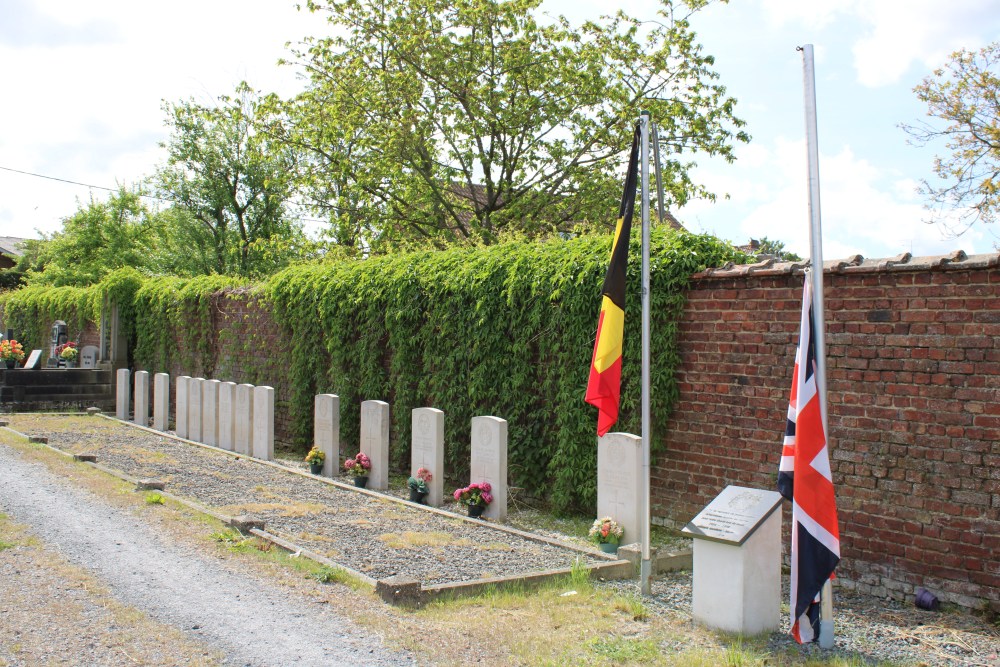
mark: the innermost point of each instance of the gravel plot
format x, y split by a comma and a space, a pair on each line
370, 534
252, 621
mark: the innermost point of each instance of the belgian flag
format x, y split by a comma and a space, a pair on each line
604, 387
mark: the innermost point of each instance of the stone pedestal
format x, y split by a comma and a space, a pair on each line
181, 414
210, 412
427, 450
263, 423
326, 431
161, 401
375, 442
619, 482
227, 415
122, 394
244, 419
140, 411
489, 461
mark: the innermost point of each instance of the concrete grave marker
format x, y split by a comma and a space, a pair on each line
243, 417
489, 461
427, 450
161, 401
619, 477
263, 423
141, 407
122, 394
210, 412
227, 415
375, 442
195, 397
33, 360
88, 356
326, 430
181, 414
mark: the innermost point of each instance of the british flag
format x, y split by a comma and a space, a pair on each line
804, 478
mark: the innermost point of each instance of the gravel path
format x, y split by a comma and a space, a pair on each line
253, 622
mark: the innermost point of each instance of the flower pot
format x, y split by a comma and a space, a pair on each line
316, 468
361, 481
476, 511
609, 547
10, 363
417, 496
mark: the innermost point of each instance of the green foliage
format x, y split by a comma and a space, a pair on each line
154, 499
30, 311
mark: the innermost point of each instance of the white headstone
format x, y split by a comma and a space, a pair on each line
263, 423
161, 401
33, 359
427, 450
326, 430
122, 394
619, 476
88, 356
141, 406
181, 414
227, 415
736, 585
375, 442
194, 408
210, 412
243, 417
489, 461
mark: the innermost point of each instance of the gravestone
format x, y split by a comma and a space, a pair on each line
736, 585
181, 409
427, 450
243, 419
122, 394
161, 401
489, 461
263, 423
326, 430
195, 397
33, 360
140, 410
619, 482
210, 412
227, 415
375, 442
88, 356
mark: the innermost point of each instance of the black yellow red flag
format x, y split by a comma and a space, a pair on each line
604, 386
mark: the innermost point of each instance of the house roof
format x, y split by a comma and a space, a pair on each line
11, 245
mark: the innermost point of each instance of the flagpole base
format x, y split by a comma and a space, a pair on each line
645, 574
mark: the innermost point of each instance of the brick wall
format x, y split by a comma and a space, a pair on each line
913, 375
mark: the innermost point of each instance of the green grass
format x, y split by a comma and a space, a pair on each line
153, 499
624, 650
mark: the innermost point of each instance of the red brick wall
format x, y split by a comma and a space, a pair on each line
913, 375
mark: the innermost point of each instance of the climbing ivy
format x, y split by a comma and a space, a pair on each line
30, 312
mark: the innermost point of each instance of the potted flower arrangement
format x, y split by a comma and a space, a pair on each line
418, 485
606, 534
359, 466
477, 496
11, 352
68, 353
315, 459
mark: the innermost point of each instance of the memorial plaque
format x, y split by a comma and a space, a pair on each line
326, 430
734, 515
88, 356
427, 450
243, 419
375, 442
194, 408
123, 394
140, 403
263, 423
181, 415
227, 415
489, 461
33, 359
161, 401
619, 482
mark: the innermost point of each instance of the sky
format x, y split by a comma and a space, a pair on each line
83, 87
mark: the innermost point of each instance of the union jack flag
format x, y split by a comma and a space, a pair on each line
804, 478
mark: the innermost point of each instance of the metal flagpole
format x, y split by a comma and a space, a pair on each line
661, 207
645, 567
816, 274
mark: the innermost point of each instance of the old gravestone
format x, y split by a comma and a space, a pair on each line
375, 442
244, 419
161, 401
619, 482
88, 356
489, 461
427, 450
227, 415
122, 394
210, 412
194, 408
33, 360
736, 585
263, 423
140, 411
181, 414
326, 430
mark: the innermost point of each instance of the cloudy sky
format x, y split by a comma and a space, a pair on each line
83, 85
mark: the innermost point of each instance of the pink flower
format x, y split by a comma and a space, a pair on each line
348, 464
487, 497
458, 494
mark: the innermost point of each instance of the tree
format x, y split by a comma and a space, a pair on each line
449, 120
228, 174
963, 94
776, 249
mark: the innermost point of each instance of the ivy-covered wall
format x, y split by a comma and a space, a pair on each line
504, 330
